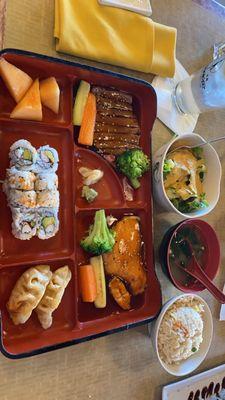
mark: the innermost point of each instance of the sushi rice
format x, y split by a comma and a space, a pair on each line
19, 198
24, 225
48, 198
49, 223
22, 180
47, 159
46, 181
31, 188
23, 155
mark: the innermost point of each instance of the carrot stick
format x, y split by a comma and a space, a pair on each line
86, 134
87, 283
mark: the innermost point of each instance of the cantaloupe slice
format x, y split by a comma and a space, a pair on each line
50, 94
30, 105
17, 81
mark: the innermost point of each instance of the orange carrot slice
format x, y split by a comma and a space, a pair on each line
16, 81
86, 134
87, 282
50, 93
30, 105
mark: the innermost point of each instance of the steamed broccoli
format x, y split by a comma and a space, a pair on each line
100, 239
133, 164
89, 194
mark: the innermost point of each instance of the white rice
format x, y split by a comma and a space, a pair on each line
181, 330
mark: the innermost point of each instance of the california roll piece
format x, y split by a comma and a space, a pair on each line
24, 225
47, 160
19, 198
48, 198
46, 181
23, 155
22, 180
48, 223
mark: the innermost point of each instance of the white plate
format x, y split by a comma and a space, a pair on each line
187, 389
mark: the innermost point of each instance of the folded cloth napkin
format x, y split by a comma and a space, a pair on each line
112, 35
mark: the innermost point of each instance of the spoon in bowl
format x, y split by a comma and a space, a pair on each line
193, 268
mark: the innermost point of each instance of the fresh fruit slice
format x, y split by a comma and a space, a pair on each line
86, 134
16, 81
30, 105
87, 283
97, 263
80, 102
50, 94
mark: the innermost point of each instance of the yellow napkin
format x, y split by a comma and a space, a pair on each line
115, 36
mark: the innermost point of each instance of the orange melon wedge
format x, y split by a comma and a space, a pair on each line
16, 81
50, 94
30, 105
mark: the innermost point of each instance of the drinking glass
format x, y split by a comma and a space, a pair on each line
205, 89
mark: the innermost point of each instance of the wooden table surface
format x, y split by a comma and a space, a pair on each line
121, 366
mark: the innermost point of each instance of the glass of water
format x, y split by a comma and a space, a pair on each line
204, 90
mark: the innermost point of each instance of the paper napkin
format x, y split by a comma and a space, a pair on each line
167, 111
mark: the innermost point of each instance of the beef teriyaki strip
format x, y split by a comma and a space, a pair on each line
115, 129
108, 104
129, 122
117, 137
112, 94
117, 151
113, 112
115, 145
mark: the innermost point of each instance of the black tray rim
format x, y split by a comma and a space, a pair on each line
61, 345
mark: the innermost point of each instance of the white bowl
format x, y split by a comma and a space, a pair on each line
189, 365
211, 181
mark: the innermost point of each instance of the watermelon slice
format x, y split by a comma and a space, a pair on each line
50, 93
30, 105
17, 81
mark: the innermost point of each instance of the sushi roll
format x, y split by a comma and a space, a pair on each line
19, 198
22, 155
48, 223
48, 198
47, 159
22, 180
24, 225
46, 182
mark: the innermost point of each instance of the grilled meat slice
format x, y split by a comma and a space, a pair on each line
120, 293
125, 260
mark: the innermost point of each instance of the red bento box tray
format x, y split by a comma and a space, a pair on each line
74, 321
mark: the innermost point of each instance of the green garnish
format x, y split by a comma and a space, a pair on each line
89, 194
168, 166
193, 349
198, 152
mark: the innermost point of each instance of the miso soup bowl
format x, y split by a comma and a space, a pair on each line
211, 182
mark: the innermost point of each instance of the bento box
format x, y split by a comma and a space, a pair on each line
74, 321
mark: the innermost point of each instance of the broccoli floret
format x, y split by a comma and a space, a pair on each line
89, 194
100, 239
168, 166
133, 164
